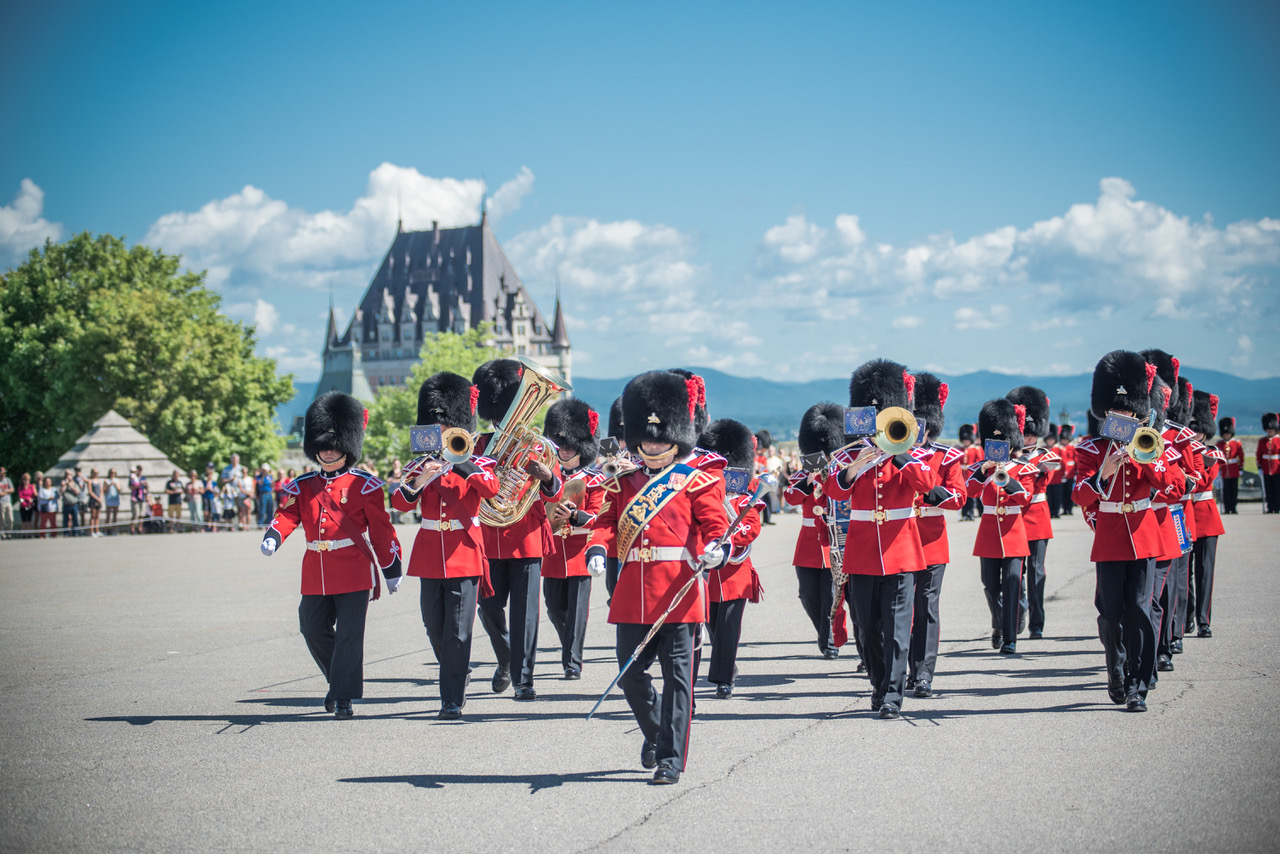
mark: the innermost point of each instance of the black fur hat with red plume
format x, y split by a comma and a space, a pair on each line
498, 381
334, 422
1036, 403
572, 424
1204, 413
1001, 420
880, 383
700, 416
1167, 368
658, 406
1180, 410
822, 429
930, 397
1122, 382
448, 399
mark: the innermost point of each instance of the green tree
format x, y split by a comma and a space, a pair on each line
91, 324
395, 410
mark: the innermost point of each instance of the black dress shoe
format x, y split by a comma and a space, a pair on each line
1008, 649
831, 653
665, 776
450, 712
1135, 704
876, 702
329, 702
997, 639
862, 666
723, 691
1204, 632
648, 754
501, 680
1022, 621
910, 683
343, 710
1175, 646
1164, 664
1036, 634
525, 692
1115, 689
923, 690
889, 712
572, 673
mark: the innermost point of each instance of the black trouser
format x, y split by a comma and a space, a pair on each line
1002, 582
882, 612
665, 721
1203, 557
516, 650
816, 597
449, 613
1123, 600
333, 627
1053, 496
926, 629
1161, 592
1033, 592
1230, 493
1068, 503
972, 509
1179, 580
1271, 491
567, 602
726, 630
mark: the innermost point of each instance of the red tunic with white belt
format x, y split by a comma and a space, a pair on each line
1036, 517
1268, 455
811, 543
1067, 452
1233, 454
884, 535
1208, 522
737, 579
449, 543
1001, 533
530, 536
333, 562
570, 557
948, 462
1124, 525
665, 552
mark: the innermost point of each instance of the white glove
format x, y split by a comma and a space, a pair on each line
595, 565
712, 555
268, 546
393, 584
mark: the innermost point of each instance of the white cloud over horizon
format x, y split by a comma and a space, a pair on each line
23, 226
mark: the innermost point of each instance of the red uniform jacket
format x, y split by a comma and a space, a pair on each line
449, 543
884, 535
1233, 451
572, 538
1036, 518
648, 579
530, 537
1002, 533
972, 454
333, 563
1208, 522
1192, 467
811, 543
948, 462
1268, 455
1119, 511
1059, 474
737, 579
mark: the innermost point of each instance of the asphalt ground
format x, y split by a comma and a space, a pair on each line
158, 697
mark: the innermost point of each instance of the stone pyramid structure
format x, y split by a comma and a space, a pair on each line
113, 443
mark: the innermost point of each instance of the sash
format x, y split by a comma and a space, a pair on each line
648, 502
357, 535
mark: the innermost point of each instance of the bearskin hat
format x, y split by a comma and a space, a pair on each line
334, 422
615, 420
572, 424
1226, 425
658, 406
930, 397
1167, 369
700, 416
449, 399
731, 440
822, 428
1180, 411
1159, 401
999, 420
1271, 421
1121, 381
1066, 432
880, 383
1053, 432
498, 381
1204, 412
764, 440
966, 432
1036, 403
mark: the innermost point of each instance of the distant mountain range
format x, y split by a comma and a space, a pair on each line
777, 406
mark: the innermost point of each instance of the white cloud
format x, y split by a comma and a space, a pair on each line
22, 226
907, 321
987, 318
508, 197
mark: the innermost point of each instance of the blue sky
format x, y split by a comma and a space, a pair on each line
766, 190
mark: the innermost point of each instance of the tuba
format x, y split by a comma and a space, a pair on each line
515, 442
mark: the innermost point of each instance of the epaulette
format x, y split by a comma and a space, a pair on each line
953, 453
701, 480
370, 481
704, 460
611, 484
1172, 454
1089, 445
922, 452
594, 478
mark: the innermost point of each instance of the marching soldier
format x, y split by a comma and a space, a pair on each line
1204, 555
566, 582
1268, 459
448, 551
949, 494
658, 515
972, 456
514, 552
737, 582
1117, 490
349, 538
1162, 584
1001, 544
1192, 464
821, 432
882, 548
1035, 518
1233, 463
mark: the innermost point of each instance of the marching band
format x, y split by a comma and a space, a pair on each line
667, 505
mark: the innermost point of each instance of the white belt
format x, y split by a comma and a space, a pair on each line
1203, 496
929, 510
329, 545
1271, 456
1002, 510
654, 554
1126, 507
1036, 499
449, 524
808, 522
893, 515
1156, 505
573, 532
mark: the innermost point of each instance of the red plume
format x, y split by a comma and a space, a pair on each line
691, 387
593, 421
1191, 392
475, 397
1168, 392
702, 391
520, 371
1213, 406
366, 420
943, 391
1176, 367
910, 383
1020, 411
1151, 376
755, 443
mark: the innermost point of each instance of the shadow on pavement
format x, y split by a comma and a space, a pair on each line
535, 782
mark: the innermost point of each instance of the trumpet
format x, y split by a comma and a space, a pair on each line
896, 430
1145, 446
1001, 474
617, 465
457, 446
